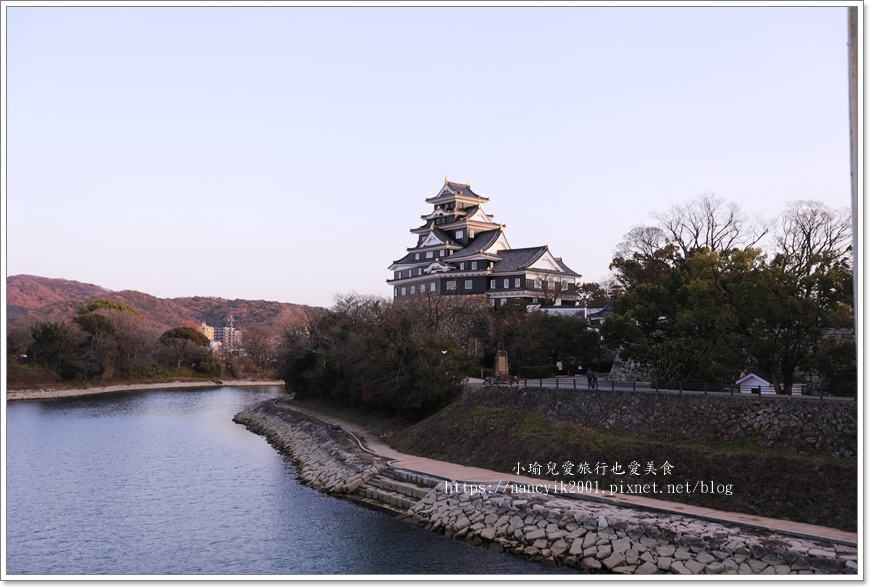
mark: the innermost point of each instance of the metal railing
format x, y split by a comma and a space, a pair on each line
581, 383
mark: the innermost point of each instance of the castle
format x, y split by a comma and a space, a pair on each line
461, 251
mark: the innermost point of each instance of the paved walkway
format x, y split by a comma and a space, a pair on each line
372, 442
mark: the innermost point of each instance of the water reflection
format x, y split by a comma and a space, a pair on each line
163, 482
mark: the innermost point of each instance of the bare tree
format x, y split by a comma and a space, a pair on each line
458, 317
17, 340
356, 308
643, 241
261, 345
646, 255
810, 232
708, 222
551, 290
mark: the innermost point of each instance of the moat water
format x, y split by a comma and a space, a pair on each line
164, 483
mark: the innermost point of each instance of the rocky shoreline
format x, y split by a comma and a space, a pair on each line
576, 533
48, 393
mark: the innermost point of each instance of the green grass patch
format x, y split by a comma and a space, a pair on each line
768, 482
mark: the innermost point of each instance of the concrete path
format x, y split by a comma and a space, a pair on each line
453, 472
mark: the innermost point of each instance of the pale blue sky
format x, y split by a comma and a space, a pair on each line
283, 153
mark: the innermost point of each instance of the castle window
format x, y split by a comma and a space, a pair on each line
432, 286
460, 234
492, 284
428, 254
470, 234
416, 256
419, 271
413, 289
517, 282
403, 291
469, 284
451, 286
462, 266
507, 283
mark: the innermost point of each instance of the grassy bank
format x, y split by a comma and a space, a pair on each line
477, 431
383, 425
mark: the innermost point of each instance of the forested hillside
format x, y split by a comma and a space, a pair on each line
65, 331
30, 298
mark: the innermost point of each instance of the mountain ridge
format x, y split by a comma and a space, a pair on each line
31, 298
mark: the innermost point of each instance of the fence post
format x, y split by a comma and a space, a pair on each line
575, 383
634, 385
541, 383
705, 388
681, 386
557, 383
657, 385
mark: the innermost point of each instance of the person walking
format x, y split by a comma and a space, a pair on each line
590, 378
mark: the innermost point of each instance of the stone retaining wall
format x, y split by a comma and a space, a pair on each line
577, 533
327, 457
598, 537
795, 424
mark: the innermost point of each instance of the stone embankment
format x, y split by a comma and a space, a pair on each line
597, 537
327, 457
589, 536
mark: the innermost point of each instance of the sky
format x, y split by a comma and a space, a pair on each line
284, 152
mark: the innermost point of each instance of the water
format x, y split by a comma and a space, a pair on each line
163, 482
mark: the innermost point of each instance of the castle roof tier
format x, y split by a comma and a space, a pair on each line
484, 246
537, 258
460, 250
473, 218
455, 192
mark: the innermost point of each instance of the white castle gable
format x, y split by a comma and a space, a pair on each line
546, 262
431, 240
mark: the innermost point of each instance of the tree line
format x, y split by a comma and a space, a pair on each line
706, 294
107, 341
409, 358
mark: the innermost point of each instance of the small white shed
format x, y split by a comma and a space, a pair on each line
754, 383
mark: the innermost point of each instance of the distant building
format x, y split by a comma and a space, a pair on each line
207, 330
228, 337
461, 251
